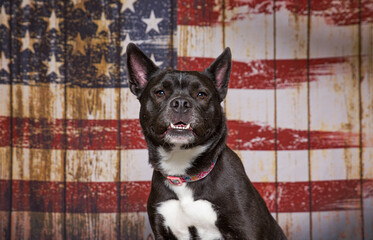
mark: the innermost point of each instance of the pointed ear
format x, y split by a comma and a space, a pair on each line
139, 69
220, 71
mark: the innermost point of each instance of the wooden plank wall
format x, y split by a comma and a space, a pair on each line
73, 161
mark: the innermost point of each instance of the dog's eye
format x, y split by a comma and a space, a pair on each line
201, 95
159, 93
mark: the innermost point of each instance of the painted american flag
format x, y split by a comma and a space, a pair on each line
73, 161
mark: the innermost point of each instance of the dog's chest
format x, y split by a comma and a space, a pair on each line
179, 215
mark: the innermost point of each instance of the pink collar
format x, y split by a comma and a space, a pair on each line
178, 181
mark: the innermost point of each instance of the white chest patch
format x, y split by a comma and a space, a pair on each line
185, 212
176, 161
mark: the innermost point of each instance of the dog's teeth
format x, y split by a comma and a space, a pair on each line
180, 126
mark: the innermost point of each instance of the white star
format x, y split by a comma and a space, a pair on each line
54, 66
4, 17
127, 4
28, 42
103, 24
152, 22
4, 63
53, 22
158, 63
103, 67
124, 44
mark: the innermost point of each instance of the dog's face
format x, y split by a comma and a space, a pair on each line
178, 107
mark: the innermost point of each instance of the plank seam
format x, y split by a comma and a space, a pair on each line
309, 117
11, 125
275, 107
360, 123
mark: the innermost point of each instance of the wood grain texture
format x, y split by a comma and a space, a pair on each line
204, 40
334, 106
292, 113
253, 107
5, 162
5, 133
97, 102
73, 160
36, 101
366, 105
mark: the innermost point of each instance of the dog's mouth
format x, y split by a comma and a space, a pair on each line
179, 127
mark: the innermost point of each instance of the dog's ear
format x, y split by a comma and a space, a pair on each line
139, 69
220, 71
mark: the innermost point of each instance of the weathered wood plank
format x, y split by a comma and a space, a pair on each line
37, 101
37, 225
366, 91
5, 116
200, 32
5, 161
250, 37
92, 225
93, 173
160, 47
136, 226
334, 106
292, 113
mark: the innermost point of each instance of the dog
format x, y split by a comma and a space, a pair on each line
199, 186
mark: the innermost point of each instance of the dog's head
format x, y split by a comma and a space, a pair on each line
179, 107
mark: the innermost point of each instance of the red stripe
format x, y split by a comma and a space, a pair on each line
4, 194
253, 136
259, 74
208, 13
92, 197
37, 196
198, 12
103, 135
102, 197
5, 132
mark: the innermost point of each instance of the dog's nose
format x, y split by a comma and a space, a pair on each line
180, 105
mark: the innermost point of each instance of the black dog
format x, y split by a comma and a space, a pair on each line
199, 186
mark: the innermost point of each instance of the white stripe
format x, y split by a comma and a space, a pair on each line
250, 105
92, 103
295, 225
291, 35
328, 40
335, 164
96, 226
4, 100
38, 164
92, 165
5, 163
291, 108
336, 225
51, 221
330, 164
197, 41
42, 101
130, 106
334, 101
251, 37
292, 166
135, 165
259, 165
136, 224
368, 162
